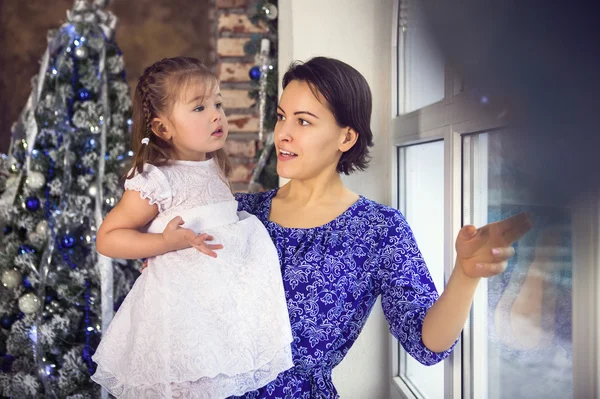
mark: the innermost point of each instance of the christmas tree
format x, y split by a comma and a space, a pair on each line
68, 152
264, 90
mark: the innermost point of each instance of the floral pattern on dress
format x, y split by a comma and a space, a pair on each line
332, 276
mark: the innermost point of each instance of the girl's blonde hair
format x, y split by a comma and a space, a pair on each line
160, 86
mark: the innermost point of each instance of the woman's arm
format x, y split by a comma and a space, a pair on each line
480, 253
446, 318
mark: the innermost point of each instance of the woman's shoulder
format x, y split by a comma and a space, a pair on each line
380, 212
385, 219
253, 203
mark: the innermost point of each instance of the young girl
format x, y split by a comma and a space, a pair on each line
192, 326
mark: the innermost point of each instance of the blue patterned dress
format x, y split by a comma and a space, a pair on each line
332, 276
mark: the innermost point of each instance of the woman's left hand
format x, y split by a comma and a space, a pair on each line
485, 252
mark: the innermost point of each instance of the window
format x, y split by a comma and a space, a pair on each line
421, 199
521, 338
533, 331
420, 64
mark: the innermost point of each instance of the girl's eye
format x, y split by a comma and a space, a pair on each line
303, 122
219, 105
280, 117
199, 109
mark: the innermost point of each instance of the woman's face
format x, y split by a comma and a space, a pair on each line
308, 140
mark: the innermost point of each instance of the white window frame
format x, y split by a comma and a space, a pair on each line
586, 296
404, 387
474, 211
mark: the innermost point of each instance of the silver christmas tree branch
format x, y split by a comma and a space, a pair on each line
262, 87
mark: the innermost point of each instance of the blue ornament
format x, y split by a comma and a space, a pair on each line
32, 204
7, 321
50, 369
26, 283
68, 241
7, 230
255, 73
90, 145
26, 249
84, 94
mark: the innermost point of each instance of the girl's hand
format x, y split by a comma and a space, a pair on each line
179, 238
199, 242
175, 237
485, 252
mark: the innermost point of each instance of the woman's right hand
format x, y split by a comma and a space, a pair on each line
177, 238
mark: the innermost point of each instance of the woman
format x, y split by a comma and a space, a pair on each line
339, 251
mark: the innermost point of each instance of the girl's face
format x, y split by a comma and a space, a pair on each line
308, 140
197, 124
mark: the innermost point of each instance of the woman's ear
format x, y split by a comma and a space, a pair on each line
348, 138
160, 129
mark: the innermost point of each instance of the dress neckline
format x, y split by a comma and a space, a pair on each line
191, 163
267, 212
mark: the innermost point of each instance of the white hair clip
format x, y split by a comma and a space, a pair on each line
145, 140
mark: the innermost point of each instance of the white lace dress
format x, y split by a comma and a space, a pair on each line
194, 326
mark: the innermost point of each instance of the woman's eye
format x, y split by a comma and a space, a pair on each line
280, 117
303, 122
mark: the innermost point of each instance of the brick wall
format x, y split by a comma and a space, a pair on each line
233, 30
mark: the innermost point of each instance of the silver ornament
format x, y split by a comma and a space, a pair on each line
93, 190
42, 228
12, 278
81, 52
36, 239
88, 236
29, 303
35, 180
270, 11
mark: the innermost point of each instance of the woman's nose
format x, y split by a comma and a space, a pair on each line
282, 133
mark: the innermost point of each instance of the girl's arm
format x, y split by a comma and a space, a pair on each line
118, 236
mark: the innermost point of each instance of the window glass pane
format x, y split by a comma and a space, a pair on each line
420, 63
529, 307
421, 168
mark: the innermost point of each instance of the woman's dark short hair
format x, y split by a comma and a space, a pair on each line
348, 97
